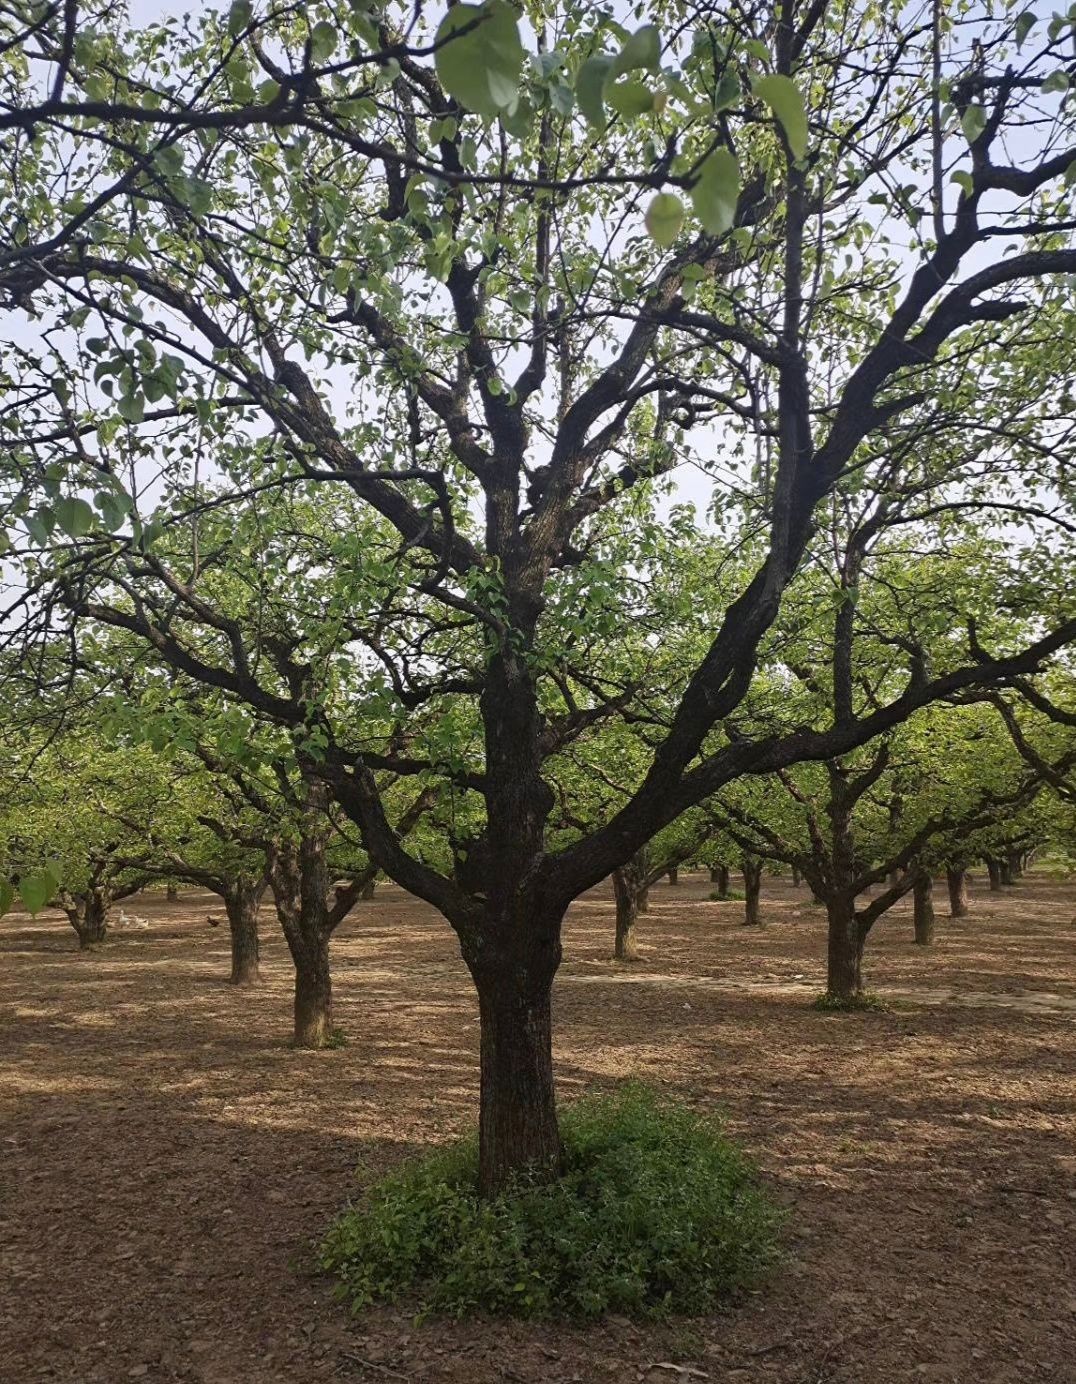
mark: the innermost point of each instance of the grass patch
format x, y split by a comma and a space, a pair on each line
657, 1213
730, 896
828, 1003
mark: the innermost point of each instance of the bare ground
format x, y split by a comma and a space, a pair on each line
167, 1159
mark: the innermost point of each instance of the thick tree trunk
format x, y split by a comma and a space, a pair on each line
89, 917
1005, 873
518, 1113
752, 883
626, 893
844, 952
923, 898
674, 875
1015, 862
313, 994
241, 903
993, 869
958, 893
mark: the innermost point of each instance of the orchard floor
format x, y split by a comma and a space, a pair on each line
167, 1158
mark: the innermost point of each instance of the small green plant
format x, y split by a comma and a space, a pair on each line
337, 1039
729, 896
828, 1003
656, 1212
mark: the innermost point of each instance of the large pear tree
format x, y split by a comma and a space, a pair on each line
522, 268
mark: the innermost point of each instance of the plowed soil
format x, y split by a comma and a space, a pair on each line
167, 1159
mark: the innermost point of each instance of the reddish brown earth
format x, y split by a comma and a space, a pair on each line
167, 1159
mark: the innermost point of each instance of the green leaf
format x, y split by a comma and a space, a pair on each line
74, 516
7, 896
481, 67
727, 92
631, 97
715, 194
973, 123
664, 218
36, 889
641, 49
1056, 81
589, 89
1024, 24
783, 98
239, 16
965, 181
132, 407
323, 40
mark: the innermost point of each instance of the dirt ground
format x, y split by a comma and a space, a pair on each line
167, 1159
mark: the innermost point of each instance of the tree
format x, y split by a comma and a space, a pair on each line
517, 345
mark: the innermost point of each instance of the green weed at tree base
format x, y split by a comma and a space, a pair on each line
656, 1213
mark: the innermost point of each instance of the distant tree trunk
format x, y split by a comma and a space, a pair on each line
1005, 871
844, 952
993, 869
923, 897
88, 915
172, 893
642, 902
627, 910
674, 875
958, 892
1015, 861
241, 901
367, 891
752, 883
719, 875
797, 878
894, 876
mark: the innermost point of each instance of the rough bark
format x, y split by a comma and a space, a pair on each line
241, 901
1005, 872
313, 994
844, 951
719, 875
517, 1114
674, 875
923, 910
797, 877
752, 883
957, 880
367, 890
993, 870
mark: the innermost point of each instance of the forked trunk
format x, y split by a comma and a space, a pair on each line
844, 952
958, 893
993, 869
241, 903
923, 898
313, 994
88, 915
752, 883
517, 1127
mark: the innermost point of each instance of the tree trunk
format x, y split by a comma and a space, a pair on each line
1015, 861
674, 875
797, 878
368, 889
958, 893
923, 898
172, 893
719, 875
993, 869
642, 900
517, 1127
241, 903
313, 993
88, 915
844, 953
752, 883
894, 878
625, 891
1005, 872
